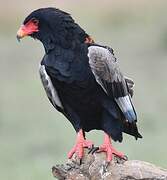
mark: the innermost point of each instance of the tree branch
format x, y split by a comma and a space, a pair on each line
94, 167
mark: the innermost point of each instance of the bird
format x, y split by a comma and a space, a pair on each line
82, 80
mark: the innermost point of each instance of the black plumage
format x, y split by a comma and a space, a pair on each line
86, 98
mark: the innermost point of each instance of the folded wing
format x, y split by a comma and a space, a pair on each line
107, 73
50, 89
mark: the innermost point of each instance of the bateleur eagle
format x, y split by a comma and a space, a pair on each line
82, 80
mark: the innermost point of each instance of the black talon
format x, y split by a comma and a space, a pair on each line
125, 158
121, 160
90, 149
80, 161
93, 150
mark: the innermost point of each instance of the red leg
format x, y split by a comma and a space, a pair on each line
109, 149
78, 148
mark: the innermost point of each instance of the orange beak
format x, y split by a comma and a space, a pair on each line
21, 33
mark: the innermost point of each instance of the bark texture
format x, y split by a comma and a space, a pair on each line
94, 167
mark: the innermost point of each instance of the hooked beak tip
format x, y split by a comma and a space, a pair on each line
21, 33
18, 38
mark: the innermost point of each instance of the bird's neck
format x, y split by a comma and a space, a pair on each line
50, 44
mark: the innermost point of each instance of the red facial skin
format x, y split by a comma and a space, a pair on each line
32, 26
29, 28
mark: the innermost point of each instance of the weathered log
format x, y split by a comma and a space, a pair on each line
94, 167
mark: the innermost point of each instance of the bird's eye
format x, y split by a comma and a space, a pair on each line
35, 21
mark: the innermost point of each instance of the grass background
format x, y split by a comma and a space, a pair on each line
33, 136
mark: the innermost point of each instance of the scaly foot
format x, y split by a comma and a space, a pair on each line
108, 148
81, 143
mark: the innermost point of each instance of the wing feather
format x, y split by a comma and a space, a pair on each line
50, 89
107, 73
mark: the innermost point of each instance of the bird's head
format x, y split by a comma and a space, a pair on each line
52, 26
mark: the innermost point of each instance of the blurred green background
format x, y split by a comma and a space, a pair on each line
33, 136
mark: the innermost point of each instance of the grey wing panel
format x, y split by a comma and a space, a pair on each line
49, 88
107, 73
105, 68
